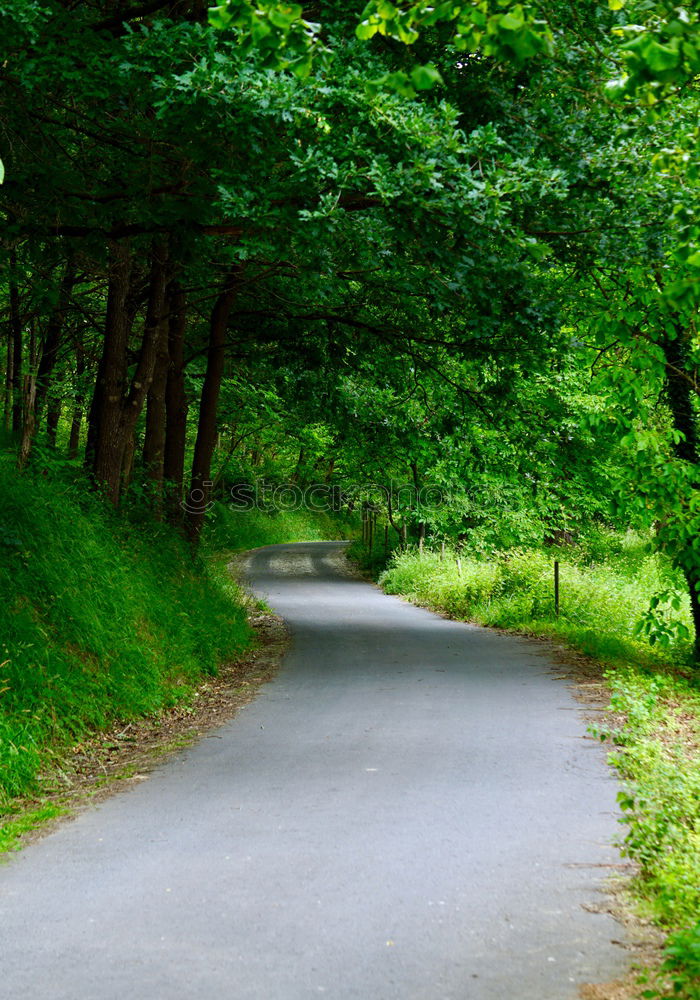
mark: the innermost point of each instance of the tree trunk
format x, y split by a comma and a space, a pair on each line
28, 424
414, 506
121, 404
74, 438
128, 462
679, 392
198, 498
111, 385
53, 336
300, 462
94, 416
154, 442
28, 404
9, 378
175, 406
77, 419
16, 336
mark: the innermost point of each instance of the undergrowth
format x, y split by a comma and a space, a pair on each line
657, 738
231, 529
625, 606
604, 596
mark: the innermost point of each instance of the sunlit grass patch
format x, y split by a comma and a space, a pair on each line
13, 829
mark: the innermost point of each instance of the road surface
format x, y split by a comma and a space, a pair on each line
409, 811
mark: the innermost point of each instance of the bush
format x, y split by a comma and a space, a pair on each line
602, 604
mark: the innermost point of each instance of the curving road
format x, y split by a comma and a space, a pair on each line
408, 812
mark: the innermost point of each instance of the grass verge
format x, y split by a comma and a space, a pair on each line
14, 828
102, 621
108, 620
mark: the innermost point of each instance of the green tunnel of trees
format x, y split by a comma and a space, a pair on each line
453, 248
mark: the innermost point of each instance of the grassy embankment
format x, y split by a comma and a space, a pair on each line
104, 619
654, 726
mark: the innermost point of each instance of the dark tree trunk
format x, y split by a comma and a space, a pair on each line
679, 391
74, 438
9, 379
108, 400
175, 406
128, 461
200, 485
154, 441
121, 404
296, 475
28, 425
16, 336
94, 416
77, 419
414, 506
680, 395
28, 404
53, 337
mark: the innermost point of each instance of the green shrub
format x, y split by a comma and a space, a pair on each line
602, 605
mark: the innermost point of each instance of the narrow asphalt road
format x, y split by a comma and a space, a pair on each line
408, 812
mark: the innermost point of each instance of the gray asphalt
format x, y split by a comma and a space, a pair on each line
410, 810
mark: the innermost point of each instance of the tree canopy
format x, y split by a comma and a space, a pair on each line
451, 246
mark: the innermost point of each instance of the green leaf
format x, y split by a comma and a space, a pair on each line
220, 17
366, 29
616, 4
513, 20
660, 58
407, 35
301, 67
386, 10
425, 77
400, 83
281, 18
2, 172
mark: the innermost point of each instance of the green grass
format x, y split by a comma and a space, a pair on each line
657, 741
101, 620
13, 829
104, 618
606, 588
603, 601
239, 530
